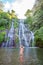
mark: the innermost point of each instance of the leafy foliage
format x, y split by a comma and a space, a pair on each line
39, 37
36, 22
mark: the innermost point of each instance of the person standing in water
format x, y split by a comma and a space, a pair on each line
21, 55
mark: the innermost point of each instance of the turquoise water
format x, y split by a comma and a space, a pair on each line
30, 56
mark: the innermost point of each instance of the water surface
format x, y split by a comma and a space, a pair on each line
30, 56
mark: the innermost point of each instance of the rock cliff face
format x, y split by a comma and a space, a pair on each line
38, 14
38, 22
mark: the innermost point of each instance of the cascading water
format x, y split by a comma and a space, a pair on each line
25, 35
10, 36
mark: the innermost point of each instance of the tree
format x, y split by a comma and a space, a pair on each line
28, 13
1, 5
13, 14
29, 18
12, 11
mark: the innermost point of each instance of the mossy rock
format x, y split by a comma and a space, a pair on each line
2, 37
39, 43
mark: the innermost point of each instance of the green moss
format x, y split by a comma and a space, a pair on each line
17, 40
2, 28
39, 42
2, 35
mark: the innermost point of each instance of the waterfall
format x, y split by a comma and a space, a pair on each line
10, 36
25, 35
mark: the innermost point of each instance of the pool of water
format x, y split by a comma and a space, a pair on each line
14, 56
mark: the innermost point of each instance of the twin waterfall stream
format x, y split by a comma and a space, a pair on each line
27, 55
26, 37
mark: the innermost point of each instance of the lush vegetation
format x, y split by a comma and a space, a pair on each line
35, 22
4, 24
39, 37
5, 21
